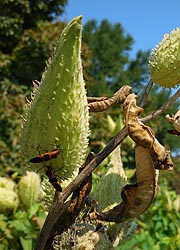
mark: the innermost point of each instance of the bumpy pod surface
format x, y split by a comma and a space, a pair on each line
165, 60
7, 183
29, 188
107, 191
57, 116
8, 200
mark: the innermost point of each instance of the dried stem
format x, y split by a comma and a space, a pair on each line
46, 237
162, 109
146, 93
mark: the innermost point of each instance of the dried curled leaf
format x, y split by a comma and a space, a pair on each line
142, 193
139, 196
144, 136
102, 104
176, 122
150, 154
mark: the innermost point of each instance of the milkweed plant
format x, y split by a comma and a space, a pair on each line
57, 117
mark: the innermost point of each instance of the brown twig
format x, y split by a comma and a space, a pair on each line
162, 109
146, 93
45, 238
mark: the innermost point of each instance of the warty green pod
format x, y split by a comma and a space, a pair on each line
57, 117
164, 61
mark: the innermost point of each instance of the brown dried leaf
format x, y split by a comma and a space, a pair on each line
144, 136
137, 197
176, 122
150, 154
103, 103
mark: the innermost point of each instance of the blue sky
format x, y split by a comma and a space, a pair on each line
145, 21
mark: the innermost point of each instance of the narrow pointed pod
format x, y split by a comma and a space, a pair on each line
58, 110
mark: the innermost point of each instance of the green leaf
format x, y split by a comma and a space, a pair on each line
26, 244
33, 210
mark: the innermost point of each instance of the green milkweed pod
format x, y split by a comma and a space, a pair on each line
29, 188
8, 200
47, 194
7, 183
164, 61
57, 116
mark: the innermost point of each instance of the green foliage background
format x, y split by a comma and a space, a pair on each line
28, 33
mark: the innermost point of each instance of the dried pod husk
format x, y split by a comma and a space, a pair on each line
144, 136
164, 60
57, 116
9, 201
29, 188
